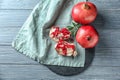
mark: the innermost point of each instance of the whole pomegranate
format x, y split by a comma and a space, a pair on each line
87, 36
84, 12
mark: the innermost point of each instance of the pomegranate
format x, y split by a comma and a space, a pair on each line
66, 49
56, 34
87, 36
84, 12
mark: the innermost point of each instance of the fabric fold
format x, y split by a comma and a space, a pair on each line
33, 38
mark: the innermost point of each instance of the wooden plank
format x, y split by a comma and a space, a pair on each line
113, 52
8, 34
32, 72
28, 4
9, 56
106, 19
102, 58
106, 4
109, 38
13, 17
106, 61
18, 4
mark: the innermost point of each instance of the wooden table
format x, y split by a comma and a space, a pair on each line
15, 66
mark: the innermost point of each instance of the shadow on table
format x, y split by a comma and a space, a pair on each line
99, 22
101, 25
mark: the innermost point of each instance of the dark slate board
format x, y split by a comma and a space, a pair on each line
69, 71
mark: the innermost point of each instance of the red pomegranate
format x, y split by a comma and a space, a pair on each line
87, 36
84, 12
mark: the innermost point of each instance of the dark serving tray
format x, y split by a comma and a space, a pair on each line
69, 71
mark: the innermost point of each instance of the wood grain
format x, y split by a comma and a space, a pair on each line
104, 57
13, 17
106, 19
29, 4
110, 20
18, 4
106, 4
34, 72
15, 66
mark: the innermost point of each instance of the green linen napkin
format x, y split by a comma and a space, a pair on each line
33, 39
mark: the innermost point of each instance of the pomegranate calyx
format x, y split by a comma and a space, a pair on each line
86, 6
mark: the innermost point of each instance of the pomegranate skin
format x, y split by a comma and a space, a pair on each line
87, 36
84, 12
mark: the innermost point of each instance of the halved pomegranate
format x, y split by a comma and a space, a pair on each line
56, 34
65, 48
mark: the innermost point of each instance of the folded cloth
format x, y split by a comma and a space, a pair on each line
33, 38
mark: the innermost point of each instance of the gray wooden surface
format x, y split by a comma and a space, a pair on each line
15, 66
